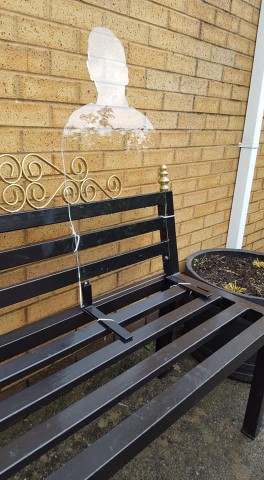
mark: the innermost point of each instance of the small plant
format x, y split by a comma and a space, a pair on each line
233, 287
199, 261
258, 263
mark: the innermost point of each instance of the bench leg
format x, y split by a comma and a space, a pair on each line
255, 406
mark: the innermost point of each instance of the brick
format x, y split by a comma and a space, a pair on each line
178, 102
119, 6
198, 170
119, 160
200, 138
179, 43
187, 155
238, 43
225, 4
222, 166
38, 60
242, 10
11, 321
41, 140
240, 93
244, 62
228, 178
234, 76
149, 12
88, 92
188, 185
209, 70
217, 193
227, 21
206, 104
158, 80
146, 56
230, 107
184, 24
10, 140
203, 210
74, 13
201, 235
213, 153
137, 77
191, 121
212, 34
232, 151
197, 86
236, 123
140, 98
134, 177
217, 122
183, 240
184, 214
24, 114
174, 139
163, 120
219, 89
191, 226
214, 219
46, 34
29, 7
8, 85
212, 242
181, 4
51, 305
223, 56
13, 57
7, 27
201, 10
69, 65
125, 28
181, 64
33, 88
157, 157
209, 181
194, 198
220, 228
225, 138
248, 30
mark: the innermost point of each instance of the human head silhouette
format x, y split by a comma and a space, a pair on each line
107, 62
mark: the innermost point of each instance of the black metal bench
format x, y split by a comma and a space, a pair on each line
176, 297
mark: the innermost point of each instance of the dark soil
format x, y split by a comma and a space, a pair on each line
220, 269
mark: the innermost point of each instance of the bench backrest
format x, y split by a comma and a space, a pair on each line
162, 221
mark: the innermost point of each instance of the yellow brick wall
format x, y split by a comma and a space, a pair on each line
254, 231
189, 65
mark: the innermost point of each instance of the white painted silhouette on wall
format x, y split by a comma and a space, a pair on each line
107, 68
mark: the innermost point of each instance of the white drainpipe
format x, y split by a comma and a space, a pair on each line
250, 143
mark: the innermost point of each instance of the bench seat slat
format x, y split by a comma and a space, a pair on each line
112, 451
34, 334
62, 246
57, 349
49, 216
49, 433
50, 388
54, 281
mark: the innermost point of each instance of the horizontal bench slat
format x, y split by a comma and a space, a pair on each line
53, 248
50, 388
34, 334
47, 354
112, 451
46, 435
54, 281
50, 216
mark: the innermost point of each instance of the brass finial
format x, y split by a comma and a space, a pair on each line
163, 178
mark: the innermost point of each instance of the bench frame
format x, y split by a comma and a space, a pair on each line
177, 298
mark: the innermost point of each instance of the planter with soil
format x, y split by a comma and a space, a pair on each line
236, 271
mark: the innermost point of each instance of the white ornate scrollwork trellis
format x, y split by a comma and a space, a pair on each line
24, 183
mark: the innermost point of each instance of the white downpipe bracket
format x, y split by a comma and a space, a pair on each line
249, 145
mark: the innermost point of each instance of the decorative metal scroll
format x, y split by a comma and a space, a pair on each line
24, 183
